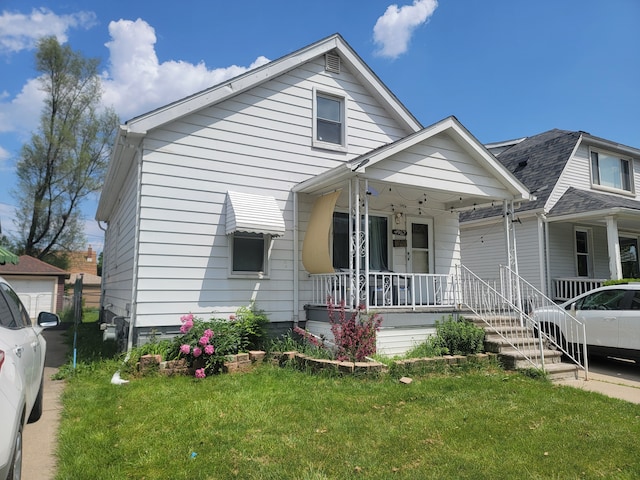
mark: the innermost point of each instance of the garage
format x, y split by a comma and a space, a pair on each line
39, 285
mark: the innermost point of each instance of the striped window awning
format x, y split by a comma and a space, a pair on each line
250, 213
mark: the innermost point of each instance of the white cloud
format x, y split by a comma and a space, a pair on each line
137, 82
392, 32
19, 31
21, 113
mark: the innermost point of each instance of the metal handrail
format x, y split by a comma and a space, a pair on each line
556, 325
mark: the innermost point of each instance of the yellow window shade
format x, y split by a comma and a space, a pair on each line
316, 256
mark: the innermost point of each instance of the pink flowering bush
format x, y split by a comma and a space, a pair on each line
354, 335
205, 344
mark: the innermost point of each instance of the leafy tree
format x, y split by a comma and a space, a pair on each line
66, 159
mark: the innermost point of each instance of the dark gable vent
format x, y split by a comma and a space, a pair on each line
332, 63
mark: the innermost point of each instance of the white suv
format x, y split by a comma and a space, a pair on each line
22, 352
611, 316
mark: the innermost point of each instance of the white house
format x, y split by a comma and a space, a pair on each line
584, 226
248, 192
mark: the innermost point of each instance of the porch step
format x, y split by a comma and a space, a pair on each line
506, 331
513, 359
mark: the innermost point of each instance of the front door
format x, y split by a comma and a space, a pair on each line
420, 259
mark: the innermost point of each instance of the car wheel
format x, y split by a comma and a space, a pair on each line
36, 411
15, 472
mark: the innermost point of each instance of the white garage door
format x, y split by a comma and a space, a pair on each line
37, 294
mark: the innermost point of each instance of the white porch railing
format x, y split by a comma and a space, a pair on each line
384, 290
567, 288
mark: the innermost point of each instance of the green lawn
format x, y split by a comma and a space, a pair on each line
279, 423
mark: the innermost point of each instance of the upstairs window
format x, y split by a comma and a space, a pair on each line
612, 172
329, 129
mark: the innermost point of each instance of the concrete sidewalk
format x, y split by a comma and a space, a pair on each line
39, 439
610, 385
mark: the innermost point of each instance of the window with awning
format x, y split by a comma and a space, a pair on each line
251, 221
251, 213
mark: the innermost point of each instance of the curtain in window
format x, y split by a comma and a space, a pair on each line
378, 243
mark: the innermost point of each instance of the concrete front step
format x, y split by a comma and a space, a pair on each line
514, 359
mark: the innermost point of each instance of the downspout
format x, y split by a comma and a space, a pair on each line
296, 262
136, 251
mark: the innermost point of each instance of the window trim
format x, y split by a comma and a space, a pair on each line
588, 232
594, 166
266, 245
333, 95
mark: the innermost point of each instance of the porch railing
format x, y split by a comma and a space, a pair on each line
385, 290
514, 312
567, 288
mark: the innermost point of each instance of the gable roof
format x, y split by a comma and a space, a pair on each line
538, 162
130, 135
33, 267
334, 43
451, 126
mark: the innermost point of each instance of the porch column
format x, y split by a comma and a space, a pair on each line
613, 244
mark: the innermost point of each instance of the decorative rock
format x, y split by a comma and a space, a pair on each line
406, 380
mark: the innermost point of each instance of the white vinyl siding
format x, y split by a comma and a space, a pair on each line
258, 142
483, 249
442, 164
119, 252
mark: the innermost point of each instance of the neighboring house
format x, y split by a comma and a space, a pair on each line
585, 224
301, 179
85, 265
39, 285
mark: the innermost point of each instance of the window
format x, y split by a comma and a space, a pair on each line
582, 253
611, 172
249, 252
378, 242
13, 312
604, 300
329, 129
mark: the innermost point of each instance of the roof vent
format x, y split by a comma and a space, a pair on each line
332, 63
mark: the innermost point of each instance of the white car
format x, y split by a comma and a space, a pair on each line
611, 316
22, 352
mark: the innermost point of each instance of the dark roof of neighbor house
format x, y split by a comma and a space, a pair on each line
576, 201
32, 266
537, 162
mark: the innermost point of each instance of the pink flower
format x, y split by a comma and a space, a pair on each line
197, 351
204, 340
185, 349
232, 317
209, 349
200, 373
186, 326
208, 333
187, 318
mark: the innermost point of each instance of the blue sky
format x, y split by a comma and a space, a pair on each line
505, 68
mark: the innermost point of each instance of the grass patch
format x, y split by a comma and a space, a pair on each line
275, 423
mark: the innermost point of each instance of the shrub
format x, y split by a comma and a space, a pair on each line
206, 344
354, 336
459, 337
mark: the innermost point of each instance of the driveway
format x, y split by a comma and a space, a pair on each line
39, 461
613, 377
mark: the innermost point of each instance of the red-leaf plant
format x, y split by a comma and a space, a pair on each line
354, 336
